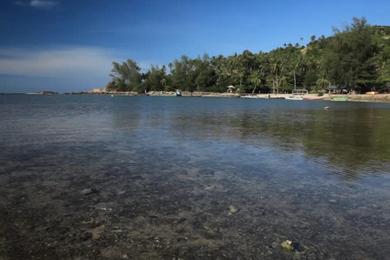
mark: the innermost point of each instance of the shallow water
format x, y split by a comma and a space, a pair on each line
192, 178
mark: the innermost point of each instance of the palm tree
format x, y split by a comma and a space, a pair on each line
322, 83
255, 79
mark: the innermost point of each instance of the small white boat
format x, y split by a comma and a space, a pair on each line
178, 93
249, 96
297, 94
294, 97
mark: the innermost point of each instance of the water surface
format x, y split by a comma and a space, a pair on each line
158, 177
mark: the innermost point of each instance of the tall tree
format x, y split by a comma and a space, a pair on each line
155, 79
126, 76
350, 57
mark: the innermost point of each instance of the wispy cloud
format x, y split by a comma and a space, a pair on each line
77, 62
60, 68
39, 4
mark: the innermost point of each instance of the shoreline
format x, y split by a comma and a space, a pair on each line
377, 98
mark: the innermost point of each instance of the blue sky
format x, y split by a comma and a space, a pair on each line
67, 45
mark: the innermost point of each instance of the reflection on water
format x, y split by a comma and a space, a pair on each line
164, 172
352, 136
356, 139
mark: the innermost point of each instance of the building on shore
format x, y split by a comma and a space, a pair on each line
231, 89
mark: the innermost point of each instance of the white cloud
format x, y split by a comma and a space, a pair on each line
42, 4
63, 69
77, 62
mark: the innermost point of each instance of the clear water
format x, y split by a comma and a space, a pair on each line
192, 178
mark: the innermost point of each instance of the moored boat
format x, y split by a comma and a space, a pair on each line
297, 94
249, 96
339, 98
294, 97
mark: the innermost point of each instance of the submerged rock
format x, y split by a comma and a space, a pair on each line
88, 191
297, 247
86, 236
287, 245
121, 192
291, 246
232, 210
97, 232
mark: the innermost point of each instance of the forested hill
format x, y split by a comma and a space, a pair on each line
354, 58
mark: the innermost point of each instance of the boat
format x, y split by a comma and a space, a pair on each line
297, 94
339, 98
294, 97
275, 97
178, 93
249, 96
314, 98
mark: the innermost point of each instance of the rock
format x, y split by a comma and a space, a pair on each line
297, 247
97, 232
232, 210
297, 256
121, 192
291, 246
88, 221
85, 236
287, 245
211, 187
104, 209
88, 191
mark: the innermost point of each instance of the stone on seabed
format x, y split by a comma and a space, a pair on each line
287, 245
232, 210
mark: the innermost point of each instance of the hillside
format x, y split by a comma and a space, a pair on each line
355, 58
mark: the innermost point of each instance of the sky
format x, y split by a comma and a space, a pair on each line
69, 45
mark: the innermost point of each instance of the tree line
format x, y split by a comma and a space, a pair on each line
356, 58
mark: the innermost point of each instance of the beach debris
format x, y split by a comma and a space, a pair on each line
232, 210
291, 246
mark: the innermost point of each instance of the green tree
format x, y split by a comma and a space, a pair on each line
350, 57
155, 79
356, 57
126, 76
256, 78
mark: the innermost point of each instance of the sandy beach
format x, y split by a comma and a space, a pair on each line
313, 97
